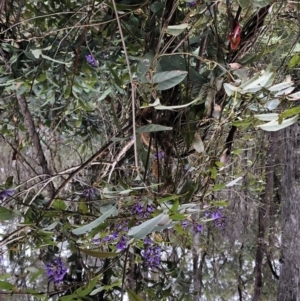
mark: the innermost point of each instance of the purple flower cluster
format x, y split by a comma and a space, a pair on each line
6, 193
120, 230
121, 245
89, 193
142, 211
91, 60
56, 270
158, 156
218, 217
151, 254
197, 228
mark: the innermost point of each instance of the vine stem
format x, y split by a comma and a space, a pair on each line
133, 87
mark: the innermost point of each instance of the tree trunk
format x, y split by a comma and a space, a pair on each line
289, 283
264, 215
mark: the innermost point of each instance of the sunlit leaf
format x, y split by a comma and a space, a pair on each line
274, 126
280, 87
230, 89
233, 182
272, 104
145, 228
158, 106
95, 223
175, 30
267, 117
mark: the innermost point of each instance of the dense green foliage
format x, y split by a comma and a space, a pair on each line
134, 148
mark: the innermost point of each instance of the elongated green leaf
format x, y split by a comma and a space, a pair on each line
153, 128
290, 112
95, 223
133, 296
168, 79
99, 254
145, 228
6, 285
5, 214
175, 30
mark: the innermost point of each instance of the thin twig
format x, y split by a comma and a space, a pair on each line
133, 87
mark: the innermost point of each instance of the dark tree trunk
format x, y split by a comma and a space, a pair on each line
264, 216
289, 280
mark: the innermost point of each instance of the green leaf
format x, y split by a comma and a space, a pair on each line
261, 3
145, 228
218, 187
5, 276
36, 275
34, 292
290, 112
168, 79
5, 214
157, 8
99, 254
133, 296
175, 30
81, 292
9, 182
95, 223
59, 205
153, 128
143, 67
177, 217
6, 285
175, 205
294, 61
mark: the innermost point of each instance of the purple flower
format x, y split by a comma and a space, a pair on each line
191, 3
56, 270
137, 208
217, 214
151, 256
89, 193
184, 224
91, 60
96, 240
150, 208
6, 193
115, 235
159, 155
198, 228
147, 241
121, 245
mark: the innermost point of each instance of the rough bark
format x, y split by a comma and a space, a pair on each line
29, 123
289, 280
264, 216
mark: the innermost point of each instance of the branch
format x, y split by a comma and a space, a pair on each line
29, 123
